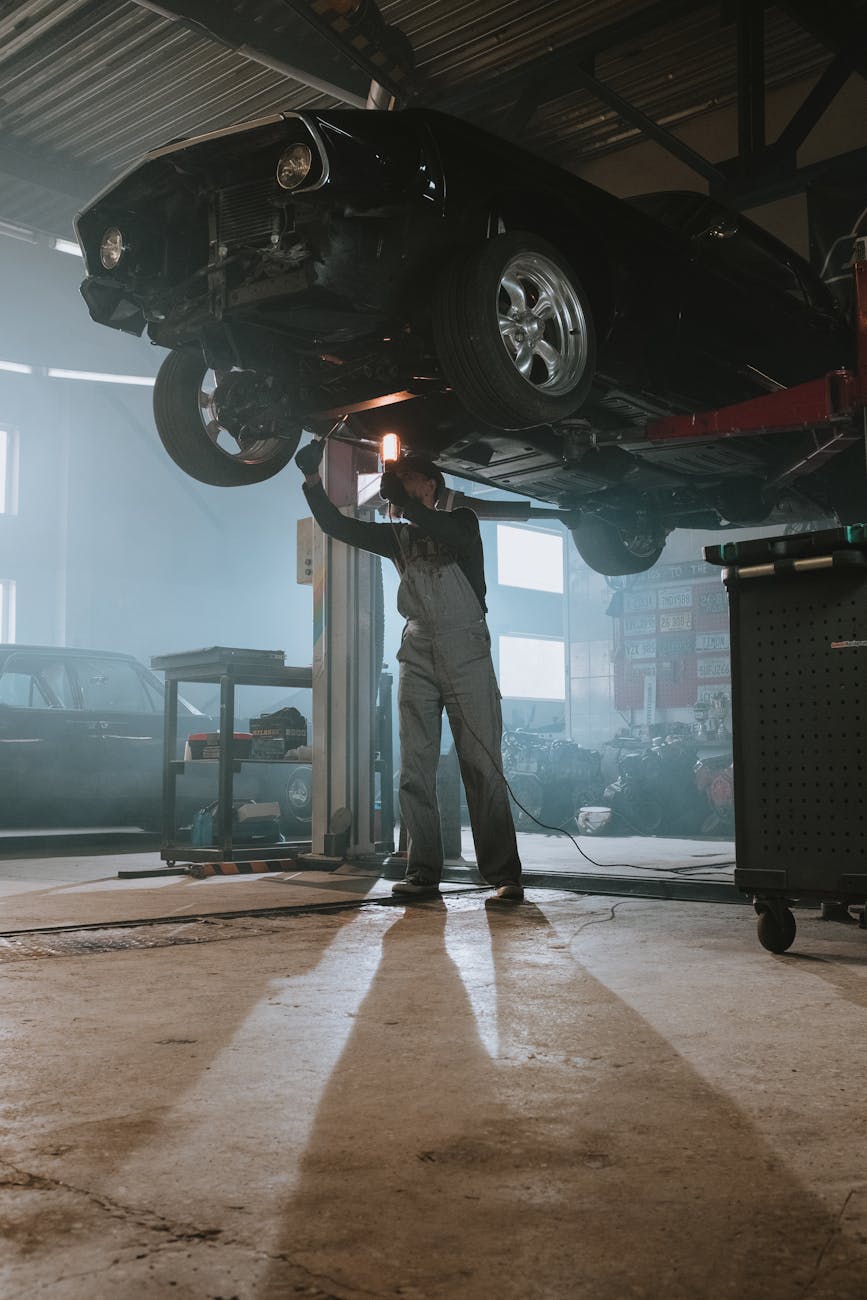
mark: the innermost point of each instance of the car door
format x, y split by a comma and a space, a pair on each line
649, 261
662, 274
42, 742
123, 724
750, 325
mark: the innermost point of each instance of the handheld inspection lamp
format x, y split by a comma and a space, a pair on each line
389, 448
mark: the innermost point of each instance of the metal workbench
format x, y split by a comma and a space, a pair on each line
228, 668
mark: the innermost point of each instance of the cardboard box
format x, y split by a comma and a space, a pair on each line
206, 744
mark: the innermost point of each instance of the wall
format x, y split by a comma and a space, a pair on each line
113, 546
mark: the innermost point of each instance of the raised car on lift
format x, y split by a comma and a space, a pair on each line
408, 272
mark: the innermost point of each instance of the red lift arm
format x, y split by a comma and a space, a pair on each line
827, 406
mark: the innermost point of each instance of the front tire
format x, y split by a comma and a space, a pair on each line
190, 429
514, 334
617, 551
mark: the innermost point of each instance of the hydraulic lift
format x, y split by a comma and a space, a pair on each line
833, 409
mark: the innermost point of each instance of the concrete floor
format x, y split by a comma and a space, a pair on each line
573, 1097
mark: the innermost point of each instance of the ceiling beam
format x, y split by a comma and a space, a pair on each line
836, 24
750, 192
553, 71
522, 112
646, 125
823, 92
358, 30
750, 80
290, 47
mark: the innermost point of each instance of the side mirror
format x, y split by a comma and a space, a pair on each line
722, 228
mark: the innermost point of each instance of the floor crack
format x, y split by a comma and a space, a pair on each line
147, 1219
833, 1232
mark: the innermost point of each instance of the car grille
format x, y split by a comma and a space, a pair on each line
246, 214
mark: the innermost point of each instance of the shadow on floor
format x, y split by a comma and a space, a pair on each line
502, 1125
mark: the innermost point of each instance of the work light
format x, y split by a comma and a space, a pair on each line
389, 448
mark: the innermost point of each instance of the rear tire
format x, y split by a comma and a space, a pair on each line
614, 552
193, 437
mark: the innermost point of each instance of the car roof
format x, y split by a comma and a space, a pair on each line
8, 648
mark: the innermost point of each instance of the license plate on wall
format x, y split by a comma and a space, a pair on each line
713, 668
676, 598
640, 649
676, 622
710, 641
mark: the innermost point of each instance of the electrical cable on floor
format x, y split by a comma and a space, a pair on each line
599, 920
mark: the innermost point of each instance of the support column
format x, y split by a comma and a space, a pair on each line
344, 684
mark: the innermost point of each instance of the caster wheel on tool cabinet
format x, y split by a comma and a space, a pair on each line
776, 931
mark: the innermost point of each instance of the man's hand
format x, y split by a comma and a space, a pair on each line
391, 489
309, 458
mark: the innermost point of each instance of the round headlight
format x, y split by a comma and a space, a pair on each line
111, 248
294, 166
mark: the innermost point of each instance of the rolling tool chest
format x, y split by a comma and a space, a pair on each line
798, 612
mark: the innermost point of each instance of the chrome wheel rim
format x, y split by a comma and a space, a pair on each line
251, 453
542, 324
298, 794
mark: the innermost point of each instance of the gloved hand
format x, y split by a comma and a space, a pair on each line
309, 458
391, 489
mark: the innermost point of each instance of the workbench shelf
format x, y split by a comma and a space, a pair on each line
228, 668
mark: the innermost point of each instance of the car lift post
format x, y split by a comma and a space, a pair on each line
344, 684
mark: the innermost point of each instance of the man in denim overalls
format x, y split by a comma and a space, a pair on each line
445, 662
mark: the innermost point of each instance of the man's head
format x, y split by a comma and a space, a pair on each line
420, 477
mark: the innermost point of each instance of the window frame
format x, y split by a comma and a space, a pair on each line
8, 599
9, 445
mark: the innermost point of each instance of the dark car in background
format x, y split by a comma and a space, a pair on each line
406, 272
81, 744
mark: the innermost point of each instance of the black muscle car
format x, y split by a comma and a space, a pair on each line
407, 272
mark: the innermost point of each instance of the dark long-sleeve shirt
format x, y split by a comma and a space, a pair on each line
434, 536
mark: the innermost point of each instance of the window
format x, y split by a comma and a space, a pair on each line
528, 557
532, 668
36, 682
7, 609
8, 471
22, 689
111, 686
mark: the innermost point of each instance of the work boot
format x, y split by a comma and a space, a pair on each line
512, 893
415, 886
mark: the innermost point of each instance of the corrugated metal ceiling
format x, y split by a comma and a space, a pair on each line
87, 86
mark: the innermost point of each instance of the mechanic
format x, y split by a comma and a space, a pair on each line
445, 661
